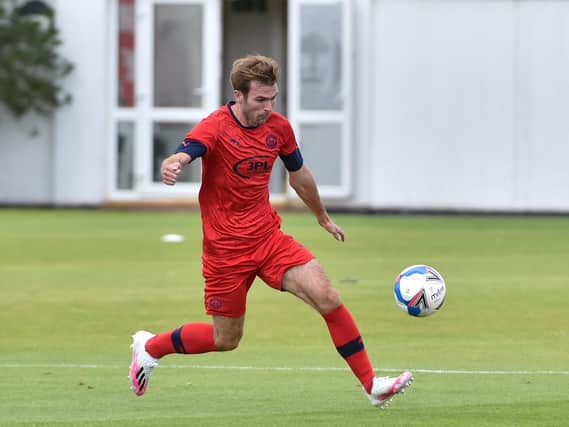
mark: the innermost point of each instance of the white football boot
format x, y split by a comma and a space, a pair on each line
142, 363
384, 388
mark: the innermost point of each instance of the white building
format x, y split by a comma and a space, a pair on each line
397, 104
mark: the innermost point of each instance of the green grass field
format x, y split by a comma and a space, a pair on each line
76, 284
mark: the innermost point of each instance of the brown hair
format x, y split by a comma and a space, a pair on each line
253, 67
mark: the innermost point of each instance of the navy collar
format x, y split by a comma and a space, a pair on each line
229, 105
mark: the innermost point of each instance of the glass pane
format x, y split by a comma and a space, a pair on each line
321, 57
125, 156
178, 55
125, 72
321, 149
166, 138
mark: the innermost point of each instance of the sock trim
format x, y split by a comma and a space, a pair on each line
177, 340
351, 347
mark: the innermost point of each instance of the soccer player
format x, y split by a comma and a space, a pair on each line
242, 239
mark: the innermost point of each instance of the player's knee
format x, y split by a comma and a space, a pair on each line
327, 300
332, 298
227, 343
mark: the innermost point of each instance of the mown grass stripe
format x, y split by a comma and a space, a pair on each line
282, 368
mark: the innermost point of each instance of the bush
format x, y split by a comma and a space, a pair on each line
30, 67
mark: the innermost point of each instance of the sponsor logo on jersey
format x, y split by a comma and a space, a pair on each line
255, 165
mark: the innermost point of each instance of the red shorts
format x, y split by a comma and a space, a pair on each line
228, 278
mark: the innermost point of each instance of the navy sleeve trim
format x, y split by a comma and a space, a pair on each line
192, 148
293, 161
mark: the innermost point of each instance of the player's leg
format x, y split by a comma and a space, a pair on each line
223, 334
291, 267
225, 301
309, 283
147, 349
227, 332
194, 338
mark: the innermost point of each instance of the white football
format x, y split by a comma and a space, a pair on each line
420, 290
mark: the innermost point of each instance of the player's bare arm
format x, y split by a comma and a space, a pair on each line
172, 167
304, 184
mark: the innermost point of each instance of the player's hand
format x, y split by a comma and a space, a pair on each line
170, 172
333, 229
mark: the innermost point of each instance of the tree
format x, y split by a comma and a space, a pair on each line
30, 67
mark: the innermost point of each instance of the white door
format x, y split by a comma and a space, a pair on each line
166, 72
319, 90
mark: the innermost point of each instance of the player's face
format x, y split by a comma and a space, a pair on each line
259, 102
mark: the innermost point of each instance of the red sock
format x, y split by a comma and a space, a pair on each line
348, 342
191, 338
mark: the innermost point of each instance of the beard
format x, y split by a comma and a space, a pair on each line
256, 119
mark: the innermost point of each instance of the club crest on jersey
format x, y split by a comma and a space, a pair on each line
214, 303
271, 141
254, 165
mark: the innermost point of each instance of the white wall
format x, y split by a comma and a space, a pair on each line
543, 105
80, 130
26, 158
469, 99
26, 151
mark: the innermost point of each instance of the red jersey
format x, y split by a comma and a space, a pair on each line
236, 168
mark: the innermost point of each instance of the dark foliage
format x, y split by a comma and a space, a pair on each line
30, 67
